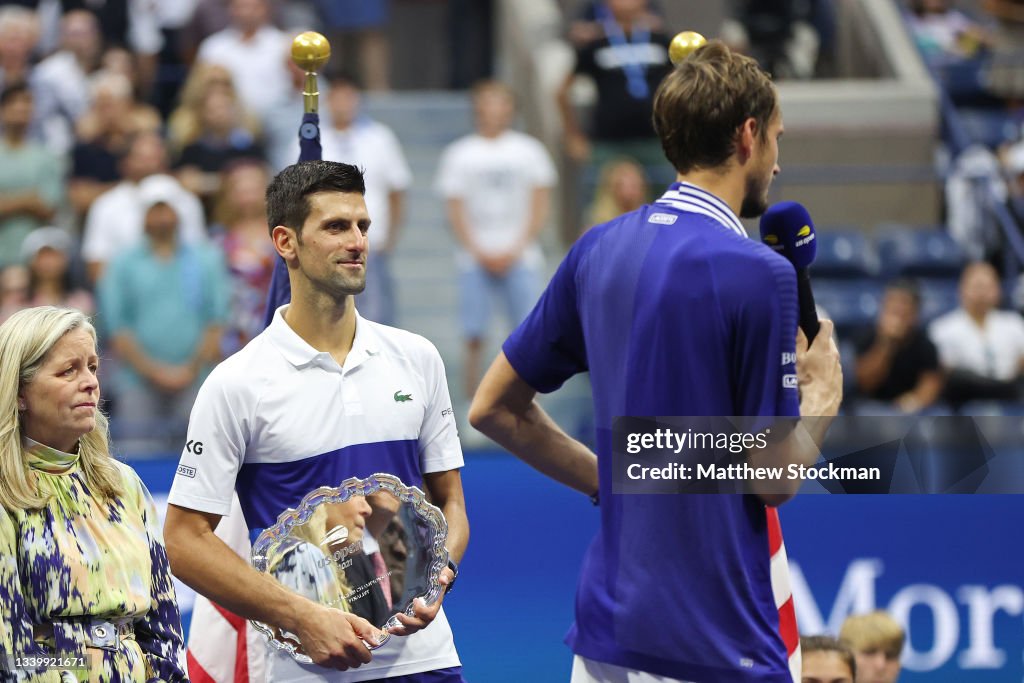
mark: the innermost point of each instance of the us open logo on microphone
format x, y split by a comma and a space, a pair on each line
806, 236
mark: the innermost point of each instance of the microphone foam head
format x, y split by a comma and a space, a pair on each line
787, 228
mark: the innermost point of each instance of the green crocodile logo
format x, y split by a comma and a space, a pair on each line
402, 398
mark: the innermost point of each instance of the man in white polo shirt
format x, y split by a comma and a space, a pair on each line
321, 395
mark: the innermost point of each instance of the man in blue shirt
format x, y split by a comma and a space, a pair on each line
164, 303
675, 311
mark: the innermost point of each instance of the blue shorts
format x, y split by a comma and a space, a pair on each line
452, 674
518, 289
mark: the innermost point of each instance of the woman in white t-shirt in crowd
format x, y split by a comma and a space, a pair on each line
981, 348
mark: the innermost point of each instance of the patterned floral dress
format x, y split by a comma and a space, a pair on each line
80, 558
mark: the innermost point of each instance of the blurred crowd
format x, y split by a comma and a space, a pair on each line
136, 141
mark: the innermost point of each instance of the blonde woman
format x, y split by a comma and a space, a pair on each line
84, 580
184, 126
621, 188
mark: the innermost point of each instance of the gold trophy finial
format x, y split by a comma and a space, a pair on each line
683, 44
310, 51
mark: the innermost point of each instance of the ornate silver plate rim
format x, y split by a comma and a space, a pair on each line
380, 481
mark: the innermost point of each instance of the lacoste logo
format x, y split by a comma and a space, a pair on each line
402, 398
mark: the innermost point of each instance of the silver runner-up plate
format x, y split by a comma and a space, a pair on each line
367, 546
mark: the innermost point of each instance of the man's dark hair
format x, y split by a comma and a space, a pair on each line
287, 195
343, 77
13, 90
809, 644
909, 287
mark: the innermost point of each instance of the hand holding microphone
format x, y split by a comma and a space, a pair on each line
787, 228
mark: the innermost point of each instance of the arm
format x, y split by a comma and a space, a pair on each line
158, 633
460, 225
874, 364
330, 637
820, 378
15, 623
540, 201
576, 142
445, 491
505, 410
929, 386
29, 203
82, 192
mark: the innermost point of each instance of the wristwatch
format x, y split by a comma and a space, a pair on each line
455, 570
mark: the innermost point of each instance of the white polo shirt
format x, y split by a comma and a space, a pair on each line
279, 419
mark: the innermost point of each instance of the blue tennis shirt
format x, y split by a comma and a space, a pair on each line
673, 310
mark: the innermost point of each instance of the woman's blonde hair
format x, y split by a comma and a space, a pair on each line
25, 340
184, 125
605, 207
873, 631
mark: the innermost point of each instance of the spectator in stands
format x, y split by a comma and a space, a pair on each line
357, 29
14, 284
134, 26
896, 362
627, 61
164, 303
104, 132
354, 138
255, 52
240, 230
18, 37
621, 188
944, 34
66, 73
47, 251
184, 125
225, 138
982, 348
31, 177
497, 184
19, 32
826, 660
586, 25
777, 33
876, 640
115, 221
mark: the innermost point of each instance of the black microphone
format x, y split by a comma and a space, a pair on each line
787, 228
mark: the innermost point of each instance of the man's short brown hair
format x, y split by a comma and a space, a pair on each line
809, 644
700, 106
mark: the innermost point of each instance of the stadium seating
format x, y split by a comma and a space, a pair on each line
918, 252
844, 253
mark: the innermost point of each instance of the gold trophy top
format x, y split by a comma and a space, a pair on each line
682, 45
310, 51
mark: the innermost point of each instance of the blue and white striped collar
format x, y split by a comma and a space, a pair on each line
689, 197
